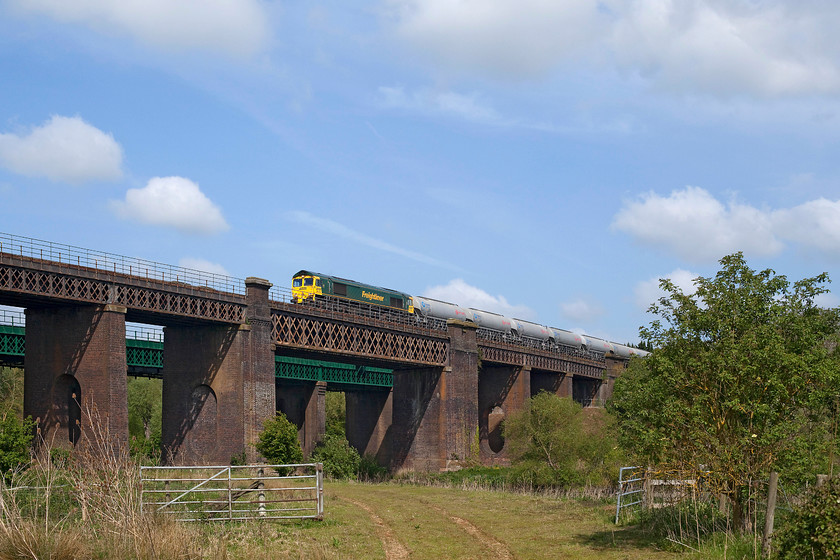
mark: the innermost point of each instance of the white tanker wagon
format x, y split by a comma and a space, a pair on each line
428, 307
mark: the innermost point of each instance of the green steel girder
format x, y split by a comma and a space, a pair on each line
315, 370
148, 354
144, 353
12, 341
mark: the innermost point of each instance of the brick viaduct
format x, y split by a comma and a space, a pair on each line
452, 384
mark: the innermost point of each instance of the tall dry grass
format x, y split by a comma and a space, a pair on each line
86, 504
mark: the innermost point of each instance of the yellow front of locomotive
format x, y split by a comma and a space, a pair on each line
306, 285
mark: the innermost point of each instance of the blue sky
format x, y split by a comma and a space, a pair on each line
547, 160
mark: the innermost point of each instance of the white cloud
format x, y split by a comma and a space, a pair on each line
459, 292
696, 226
519, 38
173, 202
237, 27
729, 46
202, 265
581, 310
814, 224
63, 149
718, 47
649, 292
345, 232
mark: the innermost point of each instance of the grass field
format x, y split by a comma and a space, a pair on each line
365, 520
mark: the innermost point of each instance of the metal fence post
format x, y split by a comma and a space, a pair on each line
261, 493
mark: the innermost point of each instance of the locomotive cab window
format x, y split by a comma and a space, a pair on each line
307, 281
297, 283
318, 283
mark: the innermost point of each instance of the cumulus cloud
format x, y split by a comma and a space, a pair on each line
459, 292
649, 292
340, 230
696, 226
202, 265
725, 47
237, 27
173, 202
581, 310
63, 149
519, 38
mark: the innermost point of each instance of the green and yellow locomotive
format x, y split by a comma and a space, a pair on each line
308, 285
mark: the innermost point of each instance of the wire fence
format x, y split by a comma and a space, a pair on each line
109, 262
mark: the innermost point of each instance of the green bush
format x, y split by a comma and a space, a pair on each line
370, 470
339, 458
15, 444
553, 442
813, 529
278, 442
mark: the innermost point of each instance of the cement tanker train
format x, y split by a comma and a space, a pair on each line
308, 285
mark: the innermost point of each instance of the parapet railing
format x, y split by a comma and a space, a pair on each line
109, 262
234, 493
12, 318
340, 308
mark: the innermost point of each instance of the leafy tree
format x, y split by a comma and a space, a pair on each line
278, 442
813, 529
740, 370
145, 398
339, 458
336, 413
15, 443
11, 391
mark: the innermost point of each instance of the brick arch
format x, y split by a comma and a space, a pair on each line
66, 411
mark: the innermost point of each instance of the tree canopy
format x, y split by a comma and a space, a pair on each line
741, 370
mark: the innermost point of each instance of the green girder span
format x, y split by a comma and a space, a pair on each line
149, 354
314, 370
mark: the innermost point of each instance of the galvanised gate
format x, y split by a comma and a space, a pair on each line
227, 340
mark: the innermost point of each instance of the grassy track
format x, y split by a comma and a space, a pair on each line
446, 523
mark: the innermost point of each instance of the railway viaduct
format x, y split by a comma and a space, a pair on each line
451, 387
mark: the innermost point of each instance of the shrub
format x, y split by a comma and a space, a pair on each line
278, 442
15, 443
813, 529
339, 458
370, 470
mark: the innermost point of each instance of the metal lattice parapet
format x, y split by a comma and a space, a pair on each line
323, 335
540, 359
343, 374
27, 278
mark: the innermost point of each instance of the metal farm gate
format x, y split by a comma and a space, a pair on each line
234, 493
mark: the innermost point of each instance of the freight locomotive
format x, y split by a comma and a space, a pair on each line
307, 285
